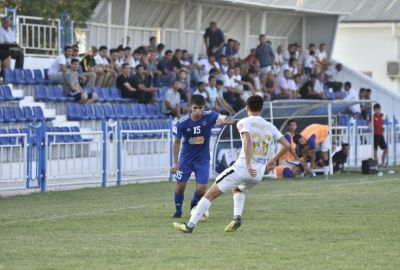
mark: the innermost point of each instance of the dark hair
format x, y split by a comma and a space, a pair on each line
213, 70
210, 55
345, 145
139, 66
197, 100
368, 90
74, 60
67, 48
348, 84
211, 77
200, 83
222, 56
219, 82
167, 52
103, 48
291, 121
178, 50
113, 51
296, 138
120, 48
127, 49
160, 46
124, 65
184, 51
377, 106
255, 103
152, 38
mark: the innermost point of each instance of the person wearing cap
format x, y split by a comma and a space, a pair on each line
8, 44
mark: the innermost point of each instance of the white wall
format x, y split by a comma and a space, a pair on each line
367, 47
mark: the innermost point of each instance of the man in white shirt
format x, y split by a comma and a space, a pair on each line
172, 99
8, 42
352, 95
60, 66
287, 86
103, 62
258, 136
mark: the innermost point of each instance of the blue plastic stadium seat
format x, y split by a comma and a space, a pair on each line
99, 93
116, 95
8, 114
59, 94
72, 112
1, 93
146, 126
68, 138
8, 96
39, 116
40, 93
127, 111
50, 94
58, 138
4, 140
99, 112
19, 114
135, 113
152, 111
119, 111
136, 126
50, 138
90, 113
39, 77
108, 112
107, 95
29, 116
14, 137
28, 74
8, 76
143, 111
78, 137
19, 76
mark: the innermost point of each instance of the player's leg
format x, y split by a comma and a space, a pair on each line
376, 148
238, 204
181, 177
202, 173
325, 145
383, 146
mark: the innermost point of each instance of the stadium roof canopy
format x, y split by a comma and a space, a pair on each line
181, 23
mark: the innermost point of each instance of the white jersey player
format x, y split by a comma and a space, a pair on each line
257, 137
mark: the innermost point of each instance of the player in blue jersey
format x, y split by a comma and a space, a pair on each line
194, 130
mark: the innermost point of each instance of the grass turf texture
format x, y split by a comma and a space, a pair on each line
349, 221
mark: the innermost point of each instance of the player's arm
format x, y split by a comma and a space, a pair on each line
224, 120
248, 152
312, 157
177, 148
285, 147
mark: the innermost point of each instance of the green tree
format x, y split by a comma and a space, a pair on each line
80, 10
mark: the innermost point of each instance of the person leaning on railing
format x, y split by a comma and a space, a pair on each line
8, 44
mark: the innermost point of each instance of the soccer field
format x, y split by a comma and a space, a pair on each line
349, 221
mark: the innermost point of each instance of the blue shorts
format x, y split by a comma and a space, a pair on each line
201, 172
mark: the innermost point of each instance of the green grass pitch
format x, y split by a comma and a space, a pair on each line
348, 221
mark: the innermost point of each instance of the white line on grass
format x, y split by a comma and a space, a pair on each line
60, 217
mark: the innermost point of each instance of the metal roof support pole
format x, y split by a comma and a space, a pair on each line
330, 134
246, 32
303, 33
109, 16
181, 23
198, 41
263, 29
126, 22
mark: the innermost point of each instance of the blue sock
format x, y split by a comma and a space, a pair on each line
178, 197
196, 198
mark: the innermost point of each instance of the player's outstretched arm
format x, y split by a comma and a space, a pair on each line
225, 120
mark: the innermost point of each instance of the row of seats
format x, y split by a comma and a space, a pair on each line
25, 76
334, 95
14, 139
6, 94
24, 114
50, 93
148, 125
117, 111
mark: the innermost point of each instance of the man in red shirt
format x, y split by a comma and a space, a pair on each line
379, 139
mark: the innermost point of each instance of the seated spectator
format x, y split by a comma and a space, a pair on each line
184, 89
236, 50
128, 87
150, 66
203, 68
114, 63
212, 92
201, 90
153, 44
88, 64
144, 85
121, 56
279, 56
266, 88
228, 50
290, 65
103, 62
289, 52
186, 61
8, 43
222, 105
251, 59
172, 99
5, 60
287, 87
319, 85
251, 85
234, 91
351, 95
159, 52
309, 64
334, 77
167, 68
223, 65
340, 158
322, 58
60, 66
72, 86
177, 59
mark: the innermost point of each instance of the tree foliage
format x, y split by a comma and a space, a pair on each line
80, 10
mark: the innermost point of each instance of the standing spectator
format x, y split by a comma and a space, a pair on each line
8, 43
128, 87
60, 66
365, 106
147, 91
322, 57
167, 68
214, 40
72, 86
379, 139
153, 44
172, 99
265, 55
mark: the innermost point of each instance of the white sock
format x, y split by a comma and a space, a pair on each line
201, 208
238, 203
326, 170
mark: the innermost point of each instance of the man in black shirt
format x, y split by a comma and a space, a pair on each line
214, 40
128, 87
340, 158
144, 85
